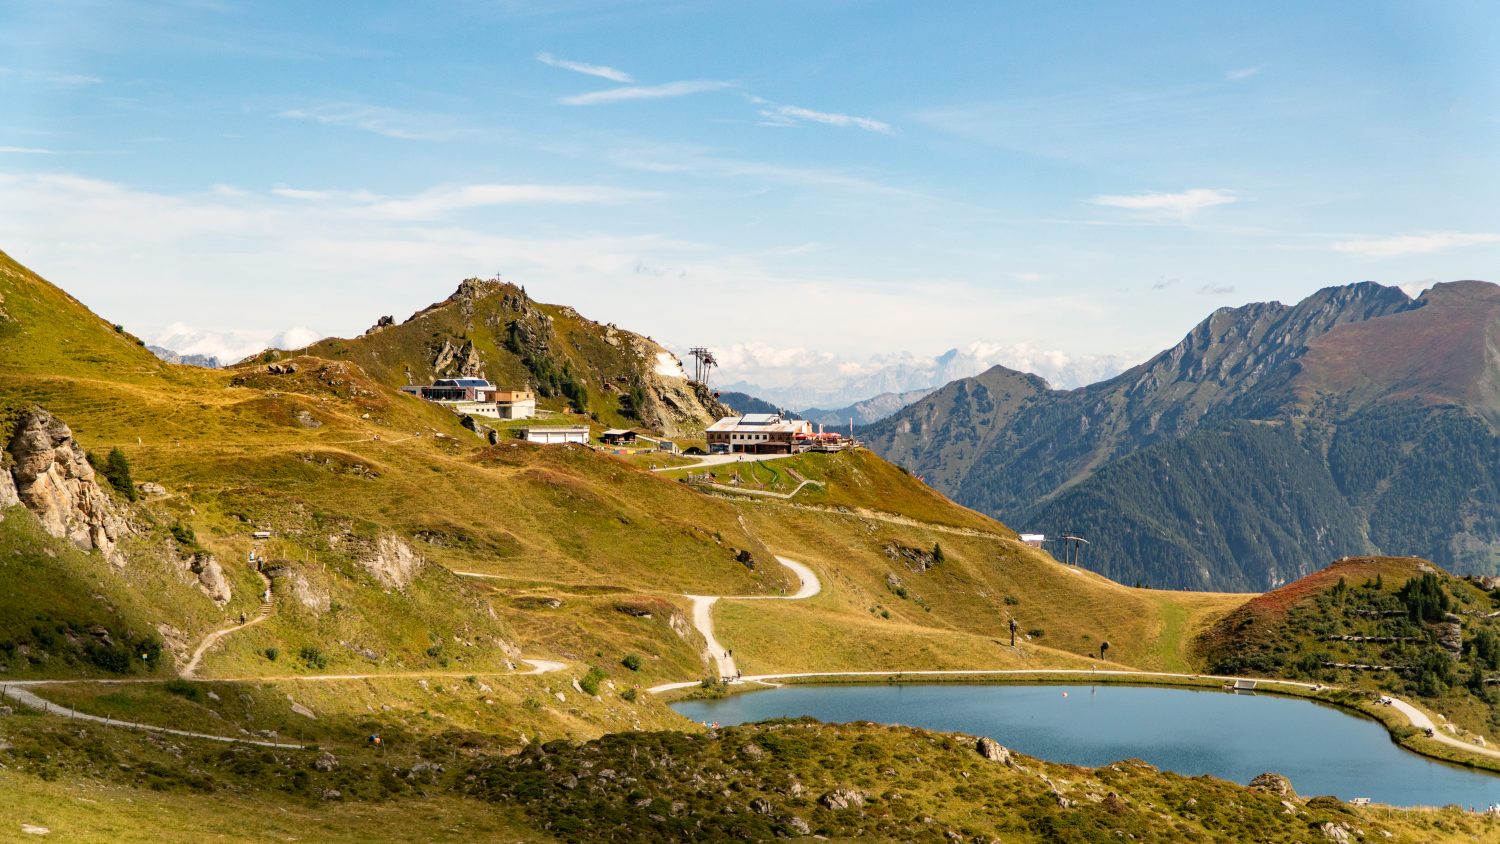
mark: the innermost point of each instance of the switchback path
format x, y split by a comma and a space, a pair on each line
191, 668
703, 618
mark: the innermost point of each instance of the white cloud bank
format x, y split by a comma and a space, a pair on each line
232, 345
1413, 244
799, 378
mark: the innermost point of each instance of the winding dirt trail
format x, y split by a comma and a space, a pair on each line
21, 693
703, 617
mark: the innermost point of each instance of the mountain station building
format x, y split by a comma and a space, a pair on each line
477, 397
758, 433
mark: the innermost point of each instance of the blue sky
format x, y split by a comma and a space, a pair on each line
813, 188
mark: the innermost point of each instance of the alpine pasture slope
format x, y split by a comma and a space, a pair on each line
374, 499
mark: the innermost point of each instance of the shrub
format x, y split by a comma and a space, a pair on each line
629, 694
632, 662
313, 657
590, 681
1036, 632
116, 470
272, 653
182, 688
184, 535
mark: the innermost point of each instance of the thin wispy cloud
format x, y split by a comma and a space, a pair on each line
389, 122
698, 161
46, 77
27, 151
1243, 73
599, 70
439, 201
790, 115
647, 92
1181, 205
1413, 244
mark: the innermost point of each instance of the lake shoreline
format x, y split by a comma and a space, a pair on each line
1365, 704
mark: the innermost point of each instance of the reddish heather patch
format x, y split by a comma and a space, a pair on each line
1436, 353
1354, 570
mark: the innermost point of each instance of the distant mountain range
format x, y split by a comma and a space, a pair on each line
205, 361
862, 412
867, 411
826, 383
1271, 439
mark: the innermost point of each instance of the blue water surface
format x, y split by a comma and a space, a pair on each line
1321, 749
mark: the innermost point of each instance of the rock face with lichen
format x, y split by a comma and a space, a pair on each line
392, 562
51, 475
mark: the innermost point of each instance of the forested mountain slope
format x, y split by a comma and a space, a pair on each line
1271, 438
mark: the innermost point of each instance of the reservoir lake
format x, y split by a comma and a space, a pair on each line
1321, 749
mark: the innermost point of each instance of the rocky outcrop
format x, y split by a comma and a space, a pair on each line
392, 562
380, 325
1273, 784
842, 798
454, 361
211, 577
992, 750
8, 495
485, 432
51, 475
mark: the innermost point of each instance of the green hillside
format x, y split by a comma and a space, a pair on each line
492, 329
1397, 625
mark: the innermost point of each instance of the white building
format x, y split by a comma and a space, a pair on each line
758, 433
1035, 540
515, 404
553, 435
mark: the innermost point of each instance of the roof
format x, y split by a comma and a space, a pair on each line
572, 429
618, 432
462, 382
760, 423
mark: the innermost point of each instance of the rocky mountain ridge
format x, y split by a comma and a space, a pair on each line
1350, 377
492, 329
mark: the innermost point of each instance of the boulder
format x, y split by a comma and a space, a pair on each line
1336, 832
53, 478
152, 488
760, 806
326, 762
799, 826
842, 798
211, 577
992, 750
1273, 784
